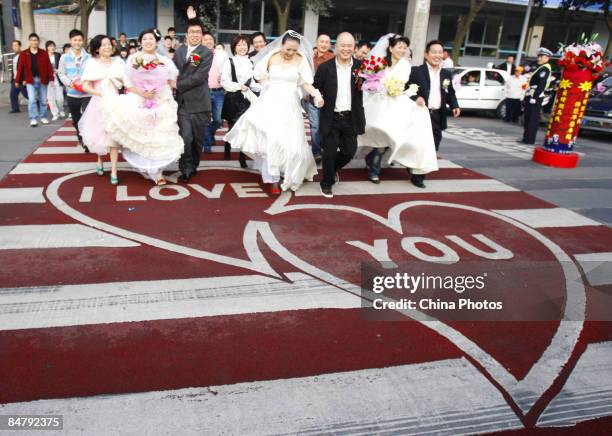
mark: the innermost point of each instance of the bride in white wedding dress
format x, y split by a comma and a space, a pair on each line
271, 131
396, 121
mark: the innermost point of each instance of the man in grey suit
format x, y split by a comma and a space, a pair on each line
193, 61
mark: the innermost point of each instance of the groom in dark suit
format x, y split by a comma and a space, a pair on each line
193, 61
436, 92
342, 117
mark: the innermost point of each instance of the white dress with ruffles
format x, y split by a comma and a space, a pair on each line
95, 125
149, 135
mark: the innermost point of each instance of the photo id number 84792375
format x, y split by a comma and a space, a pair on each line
32, 422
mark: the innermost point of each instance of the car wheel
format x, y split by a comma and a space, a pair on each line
501, 110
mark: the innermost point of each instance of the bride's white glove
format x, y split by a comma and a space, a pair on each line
318, 99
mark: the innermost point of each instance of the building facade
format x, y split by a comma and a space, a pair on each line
493, 35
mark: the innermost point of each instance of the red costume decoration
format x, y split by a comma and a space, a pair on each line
581, 65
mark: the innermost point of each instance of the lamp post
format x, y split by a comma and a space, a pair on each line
524, 32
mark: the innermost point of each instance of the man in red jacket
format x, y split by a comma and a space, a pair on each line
35, 72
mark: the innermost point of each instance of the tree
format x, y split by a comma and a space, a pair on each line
206, 10
463, 24
85, 9
283, 7
603, 5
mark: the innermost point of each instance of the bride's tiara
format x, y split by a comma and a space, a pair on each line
294, 34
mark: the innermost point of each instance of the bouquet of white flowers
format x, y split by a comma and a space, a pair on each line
394, 86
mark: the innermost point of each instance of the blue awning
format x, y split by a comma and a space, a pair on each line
550, 4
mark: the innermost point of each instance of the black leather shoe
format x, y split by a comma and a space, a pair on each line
185, 177
85, 149
227, 152
242, 160
327, 192
417, 181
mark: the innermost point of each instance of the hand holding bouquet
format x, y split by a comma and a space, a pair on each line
412, 90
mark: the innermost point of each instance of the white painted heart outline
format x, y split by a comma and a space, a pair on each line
545, 371
524, 392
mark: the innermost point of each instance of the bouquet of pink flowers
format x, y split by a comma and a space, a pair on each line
373, 71
150, 75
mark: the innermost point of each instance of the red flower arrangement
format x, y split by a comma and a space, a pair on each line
371, 70
373, 65
584, 55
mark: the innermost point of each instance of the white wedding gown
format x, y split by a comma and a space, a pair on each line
399, 123
271, 131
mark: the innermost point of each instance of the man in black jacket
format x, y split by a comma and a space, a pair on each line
193, 61
342, 118
507, 66
435, 90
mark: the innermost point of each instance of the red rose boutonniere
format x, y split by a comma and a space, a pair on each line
195, 59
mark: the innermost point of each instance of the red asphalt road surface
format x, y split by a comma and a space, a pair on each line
89, 359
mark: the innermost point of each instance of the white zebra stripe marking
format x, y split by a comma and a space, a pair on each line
74, 167
59, 167
552, 217
61, 138
100, 303
447, 397
405, 187
57, 236
21, 195
60, 150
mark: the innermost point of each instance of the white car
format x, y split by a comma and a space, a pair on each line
480, 88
